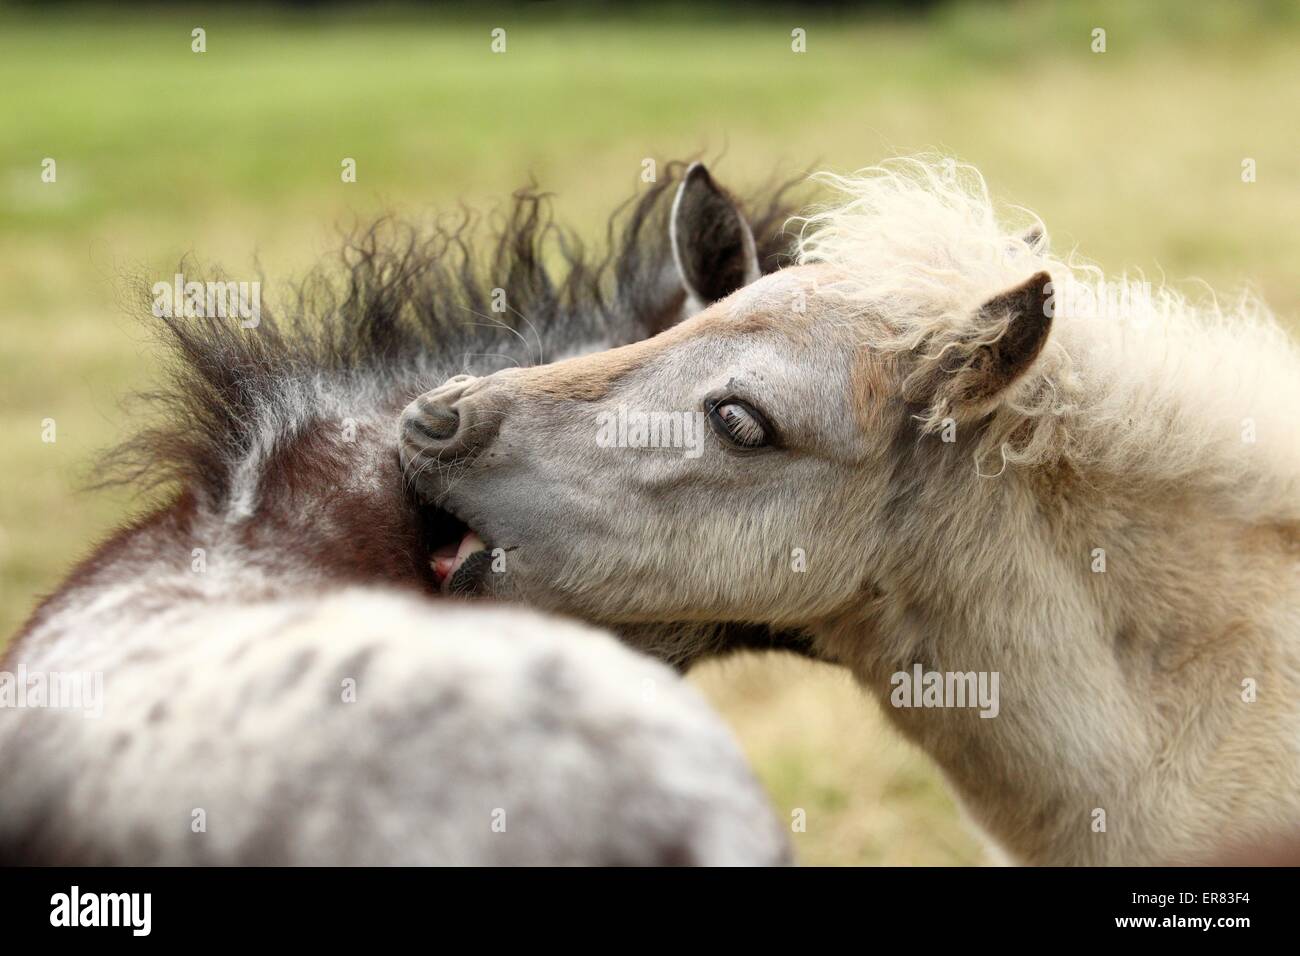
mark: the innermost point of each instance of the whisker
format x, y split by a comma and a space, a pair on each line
503, 355
541, 351
497, 323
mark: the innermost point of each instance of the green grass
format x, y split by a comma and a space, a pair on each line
1134, 155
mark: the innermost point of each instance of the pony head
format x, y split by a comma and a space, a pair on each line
822, 446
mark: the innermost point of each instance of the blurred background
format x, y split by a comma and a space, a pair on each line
1134, 154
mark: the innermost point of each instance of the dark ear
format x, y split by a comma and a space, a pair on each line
1035, 238
1033, 241
713, 245
972, 373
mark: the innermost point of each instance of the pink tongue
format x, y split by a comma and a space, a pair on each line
448, 559
443, 559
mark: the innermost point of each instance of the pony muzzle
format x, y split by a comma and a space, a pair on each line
444, 426
436, 431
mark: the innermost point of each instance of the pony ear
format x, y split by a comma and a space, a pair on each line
1032, 241
971, 374
1035, 238
713, 246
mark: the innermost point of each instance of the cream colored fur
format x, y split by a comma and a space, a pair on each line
954, 533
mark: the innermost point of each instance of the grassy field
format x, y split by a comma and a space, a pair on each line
1134, 154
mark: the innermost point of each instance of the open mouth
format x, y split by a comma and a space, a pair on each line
458, 556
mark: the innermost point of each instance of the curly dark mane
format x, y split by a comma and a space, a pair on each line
402, 307
276, 445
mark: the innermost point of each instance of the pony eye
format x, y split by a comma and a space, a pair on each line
737, 423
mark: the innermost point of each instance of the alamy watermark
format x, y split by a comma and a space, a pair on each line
76, 690
1103, 299
133, 911
630, 428
213, 300
922, 688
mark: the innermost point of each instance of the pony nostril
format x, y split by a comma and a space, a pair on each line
435, 422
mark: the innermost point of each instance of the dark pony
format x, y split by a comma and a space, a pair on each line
283, 435
283, 558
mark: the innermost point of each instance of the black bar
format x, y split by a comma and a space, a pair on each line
334, 906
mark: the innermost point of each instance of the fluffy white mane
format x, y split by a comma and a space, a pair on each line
1136, 380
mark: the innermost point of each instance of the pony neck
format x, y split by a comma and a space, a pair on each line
1120, 672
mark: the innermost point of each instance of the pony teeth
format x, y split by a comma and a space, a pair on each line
468, 545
